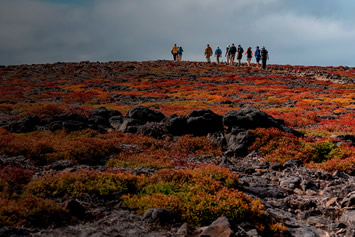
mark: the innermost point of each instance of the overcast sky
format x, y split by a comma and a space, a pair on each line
296, 32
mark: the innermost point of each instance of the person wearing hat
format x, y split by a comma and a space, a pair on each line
264, 57
228, 54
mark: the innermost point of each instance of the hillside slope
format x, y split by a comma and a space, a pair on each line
89, 145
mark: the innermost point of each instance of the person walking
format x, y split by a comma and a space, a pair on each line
264, 56
218, 54
227, 54
240, 52
174, 51
257, 56
179, 53
232, 51
208, 53
249, 54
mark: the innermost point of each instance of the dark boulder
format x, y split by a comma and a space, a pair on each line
203, 122
130, 125
237, 145
145, 115
27, 124
99, 121
251, 118
69, 116
156, 130
176, 124
105, 113
73, 125
116, 121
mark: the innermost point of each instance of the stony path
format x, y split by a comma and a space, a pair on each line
309, 202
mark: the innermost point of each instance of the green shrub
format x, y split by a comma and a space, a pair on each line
102, 184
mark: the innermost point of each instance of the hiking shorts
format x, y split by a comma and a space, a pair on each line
239, 56
257, 60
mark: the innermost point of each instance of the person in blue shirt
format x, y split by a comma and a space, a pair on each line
257, 56
218, 53
179, 53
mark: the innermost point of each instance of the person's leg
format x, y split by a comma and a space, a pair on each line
217, 58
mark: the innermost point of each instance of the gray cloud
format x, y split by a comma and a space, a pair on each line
295, 32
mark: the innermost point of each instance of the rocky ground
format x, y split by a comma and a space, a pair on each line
308, 202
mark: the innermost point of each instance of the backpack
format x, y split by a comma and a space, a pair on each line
257, 53
241, 50
264, 53
232, 50
218, 52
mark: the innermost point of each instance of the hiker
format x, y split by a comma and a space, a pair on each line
249, 54
264, 56
208, 53
232, 51
257, 56
218, 53
179, 53
240, 51
174, 51
227, 54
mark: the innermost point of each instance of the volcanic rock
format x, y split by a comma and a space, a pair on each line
159, 216
219, 228
144, 114
203, 122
